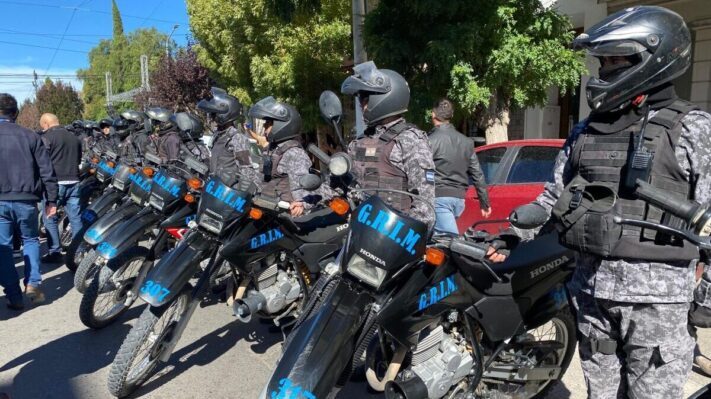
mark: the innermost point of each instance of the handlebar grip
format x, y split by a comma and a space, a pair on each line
322, 156
468, 249
681, 208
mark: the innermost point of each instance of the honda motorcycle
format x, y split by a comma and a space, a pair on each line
428, 320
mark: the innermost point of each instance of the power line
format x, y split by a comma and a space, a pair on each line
14, 32
32, 4
44, 47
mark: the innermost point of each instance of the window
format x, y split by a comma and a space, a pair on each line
533, 165
489, 160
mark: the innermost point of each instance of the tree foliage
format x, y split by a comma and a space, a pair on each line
60, 99
178, 83
29, 115
488, 55
291, 49
121, 57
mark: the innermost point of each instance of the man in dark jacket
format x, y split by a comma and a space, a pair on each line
65, 151
26, 176
455, 163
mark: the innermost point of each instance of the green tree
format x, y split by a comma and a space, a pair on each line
60, 99
490, 56
121, 57
286, 48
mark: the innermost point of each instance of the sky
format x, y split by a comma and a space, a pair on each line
53, 37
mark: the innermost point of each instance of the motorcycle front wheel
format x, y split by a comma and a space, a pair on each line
140, 352
86, 270
110, 291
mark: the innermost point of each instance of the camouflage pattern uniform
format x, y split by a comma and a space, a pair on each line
232, 157
169, 146
296, 163
412, 154
641, 306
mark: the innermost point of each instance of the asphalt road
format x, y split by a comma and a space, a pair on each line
45, 352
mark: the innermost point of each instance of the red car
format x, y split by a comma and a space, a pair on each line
515, 172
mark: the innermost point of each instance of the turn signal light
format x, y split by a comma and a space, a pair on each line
95, 160
194, 183
92, 171
255, 213
189, 198
339, 206
434, 256
149, 171
133, 171
111, 164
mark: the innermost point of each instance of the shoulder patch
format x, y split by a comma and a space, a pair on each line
430, 176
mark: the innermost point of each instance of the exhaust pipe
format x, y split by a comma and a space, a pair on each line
412, 388
245, 308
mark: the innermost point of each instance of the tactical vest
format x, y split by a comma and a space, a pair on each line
277, 184
373, 168
602, 158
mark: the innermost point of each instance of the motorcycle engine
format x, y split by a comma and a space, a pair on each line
440, 360
278, 288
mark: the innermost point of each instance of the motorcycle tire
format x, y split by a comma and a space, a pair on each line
123, 380
103, 290
85, 272
76, 247
564, 319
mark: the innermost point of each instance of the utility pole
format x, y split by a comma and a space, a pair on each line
359, 55
167, 41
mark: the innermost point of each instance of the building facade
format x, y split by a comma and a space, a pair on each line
563, 111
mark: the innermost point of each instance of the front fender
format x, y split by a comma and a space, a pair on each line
174, 270
102, 227
126, 234
321, 347
101, 205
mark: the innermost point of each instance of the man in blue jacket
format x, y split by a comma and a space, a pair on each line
26, 175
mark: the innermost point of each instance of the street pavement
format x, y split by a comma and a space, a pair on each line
45, 352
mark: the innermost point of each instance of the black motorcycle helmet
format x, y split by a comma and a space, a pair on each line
285, 119
190, 126
223, 107
122, 127
656, 46
106, 122
386, 92
91, 126
160, 118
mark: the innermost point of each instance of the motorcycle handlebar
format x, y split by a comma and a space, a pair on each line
682, 208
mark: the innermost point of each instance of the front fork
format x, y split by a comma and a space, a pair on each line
146, 266
196, 296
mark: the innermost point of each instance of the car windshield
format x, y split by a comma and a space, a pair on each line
489, 160
533, 165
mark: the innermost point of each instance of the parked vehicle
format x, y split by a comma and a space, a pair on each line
515, 172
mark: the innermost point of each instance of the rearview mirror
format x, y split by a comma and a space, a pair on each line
310, 182
330, 106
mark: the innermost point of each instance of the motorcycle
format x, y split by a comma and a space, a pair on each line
428, 320
112, 191
121, 262
128, 196
270, 258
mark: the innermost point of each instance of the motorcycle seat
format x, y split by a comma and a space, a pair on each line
318, 226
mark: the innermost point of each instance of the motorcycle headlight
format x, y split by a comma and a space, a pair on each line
119, 185
340, 164
156, 202
364, 271
210, 224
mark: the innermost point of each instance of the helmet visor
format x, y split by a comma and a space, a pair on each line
616, 48
269, 108
366, 78
212, 106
